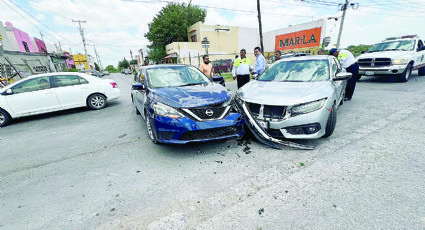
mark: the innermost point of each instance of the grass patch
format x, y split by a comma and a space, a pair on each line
227, 77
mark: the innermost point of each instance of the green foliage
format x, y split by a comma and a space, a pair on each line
96, 67
157, 53
170, 25
357, 50
70, 70
124, 64
133, 62
111, 69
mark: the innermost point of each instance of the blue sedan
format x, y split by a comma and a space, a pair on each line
180, 104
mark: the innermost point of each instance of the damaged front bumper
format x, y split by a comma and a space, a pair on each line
261, 134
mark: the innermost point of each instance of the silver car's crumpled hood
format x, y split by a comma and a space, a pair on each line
284, 93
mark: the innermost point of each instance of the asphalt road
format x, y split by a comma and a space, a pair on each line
84, 169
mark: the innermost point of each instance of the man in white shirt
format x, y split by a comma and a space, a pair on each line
241, 69
349, 62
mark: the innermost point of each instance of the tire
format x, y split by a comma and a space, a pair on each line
404, 77
421, 71
330, 125
96, 101
149, 128
359, 76
4, 118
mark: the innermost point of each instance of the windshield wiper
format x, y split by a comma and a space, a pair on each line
189, 84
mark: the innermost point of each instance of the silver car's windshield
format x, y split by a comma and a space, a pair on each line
175, 76
392, 46
298, 71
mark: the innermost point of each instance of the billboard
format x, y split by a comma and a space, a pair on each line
300, 39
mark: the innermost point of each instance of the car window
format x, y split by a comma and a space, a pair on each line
30, 85
139, 77
298, 71
420, 44
336, 67
67, 80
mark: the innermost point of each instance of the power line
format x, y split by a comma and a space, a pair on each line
228, 9
15, 4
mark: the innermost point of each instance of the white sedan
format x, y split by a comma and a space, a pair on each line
50, 92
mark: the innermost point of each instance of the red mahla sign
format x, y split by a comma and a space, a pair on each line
299, 39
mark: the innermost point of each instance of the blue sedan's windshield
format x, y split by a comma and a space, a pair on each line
298, 71
175, 76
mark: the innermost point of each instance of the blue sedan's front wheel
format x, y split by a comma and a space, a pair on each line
150, 130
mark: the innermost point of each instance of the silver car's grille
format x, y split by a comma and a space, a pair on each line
268, 111
370, 62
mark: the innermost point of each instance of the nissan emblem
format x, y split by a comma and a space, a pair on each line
209, 112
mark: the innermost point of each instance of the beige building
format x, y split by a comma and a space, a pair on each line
224, 43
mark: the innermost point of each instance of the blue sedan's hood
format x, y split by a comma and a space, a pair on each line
191, 96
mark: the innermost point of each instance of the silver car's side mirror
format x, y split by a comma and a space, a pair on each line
342, 76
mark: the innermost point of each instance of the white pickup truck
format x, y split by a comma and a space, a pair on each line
396, 56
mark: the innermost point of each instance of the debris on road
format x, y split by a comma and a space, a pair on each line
261, 211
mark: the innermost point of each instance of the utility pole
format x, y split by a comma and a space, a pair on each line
60, 47
344, 9
97, 57
82, 36
259, 25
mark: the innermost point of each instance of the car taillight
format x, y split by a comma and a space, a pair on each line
114, 85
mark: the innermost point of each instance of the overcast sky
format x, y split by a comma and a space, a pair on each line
117, 26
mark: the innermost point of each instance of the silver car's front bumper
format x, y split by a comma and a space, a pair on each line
386, 70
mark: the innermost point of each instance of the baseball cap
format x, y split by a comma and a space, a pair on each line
332, 51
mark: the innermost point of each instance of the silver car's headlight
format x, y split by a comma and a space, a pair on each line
308, 107
166, 111
400, 61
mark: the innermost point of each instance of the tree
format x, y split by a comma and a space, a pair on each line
111, 69
123, 64
170, 25
357, 50
157, 53
133, 62
96, 66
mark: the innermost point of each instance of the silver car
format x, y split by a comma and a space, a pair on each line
295, 98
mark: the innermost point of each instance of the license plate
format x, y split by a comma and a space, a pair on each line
369, 73
263, 124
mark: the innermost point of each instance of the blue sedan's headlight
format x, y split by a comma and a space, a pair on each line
166, 111
308, 107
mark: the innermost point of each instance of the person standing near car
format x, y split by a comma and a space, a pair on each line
260, 63
349, 62
241, 69
206, 67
